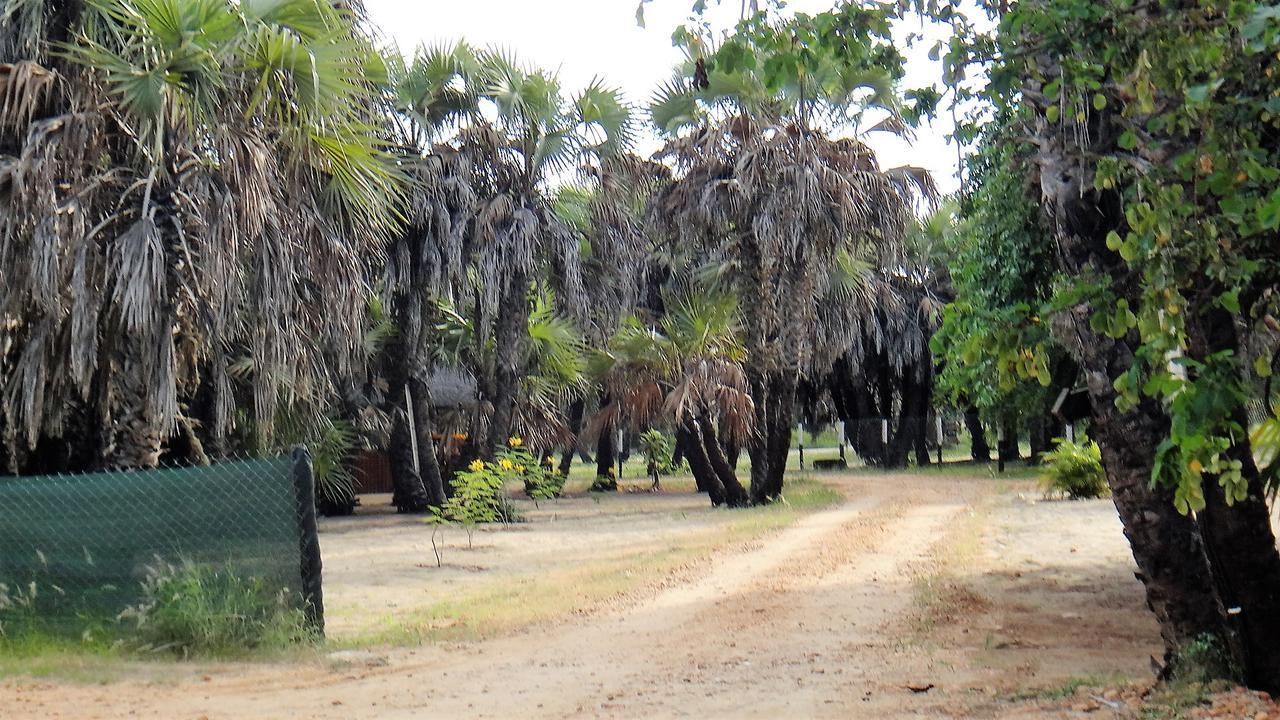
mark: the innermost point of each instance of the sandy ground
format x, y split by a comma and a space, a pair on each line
920, 596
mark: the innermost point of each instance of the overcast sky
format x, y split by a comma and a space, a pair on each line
583, 39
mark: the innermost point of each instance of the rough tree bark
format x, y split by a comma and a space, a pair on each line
432, 480
699, 463
768, 449
735, 494
576, 412
1238, 536
508, 335
409, 493
606, 458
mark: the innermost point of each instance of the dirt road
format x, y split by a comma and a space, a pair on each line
918, 596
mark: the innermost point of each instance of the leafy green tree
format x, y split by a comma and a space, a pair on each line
1154, 148
997, 352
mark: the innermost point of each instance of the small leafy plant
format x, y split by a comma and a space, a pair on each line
657, 449
478, 495
1075, 469
542, 480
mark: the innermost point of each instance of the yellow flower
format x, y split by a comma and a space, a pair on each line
515, 442
477, 465
555, 471
550, 460
506, 464
519, 468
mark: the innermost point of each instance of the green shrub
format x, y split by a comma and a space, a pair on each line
1204, 660
658, 449
1075, 470
193, 609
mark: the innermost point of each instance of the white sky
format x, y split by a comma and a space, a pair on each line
583, 39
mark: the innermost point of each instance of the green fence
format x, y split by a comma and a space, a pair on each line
82, 545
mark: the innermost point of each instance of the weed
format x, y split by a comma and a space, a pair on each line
193, 609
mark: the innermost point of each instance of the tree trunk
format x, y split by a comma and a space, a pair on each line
731, 451
1238, 536
1007, 447
771, 442
576, 412
979, 450
606, 457
511, 328
682, 452
1166, 545
135, 438
735, 494
432, 480
409, 493
1242, 552
699, 464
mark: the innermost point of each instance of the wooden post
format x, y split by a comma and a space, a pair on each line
840, 431
800, 435
938, 421
617, 450
1000, 447
413, 428
1071, 432
304, 490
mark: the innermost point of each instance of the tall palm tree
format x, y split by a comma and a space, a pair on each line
511, 133
176, 176
765, 184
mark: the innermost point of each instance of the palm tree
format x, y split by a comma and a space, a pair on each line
510, 133
765, 187
176, 176
686, 372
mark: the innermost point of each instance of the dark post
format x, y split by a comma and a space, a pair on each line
304, 488
800, 435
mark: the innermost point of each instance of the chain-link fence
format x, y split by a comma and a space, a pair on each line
77, 546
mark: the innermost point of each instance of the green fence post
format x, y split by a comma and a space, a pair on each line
304, 488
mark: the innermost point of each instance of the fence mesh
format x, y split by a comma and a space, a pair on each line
82, 545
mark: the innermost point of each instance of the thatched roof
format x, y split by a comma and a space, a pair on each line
452, 388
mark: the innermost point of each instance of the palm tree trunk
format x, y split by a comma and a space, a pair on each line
731, 451
135, 438
512, 325
682, 452
700, 464
432, 480
576, 412
735, 494
775, 400
409, 493
606, 456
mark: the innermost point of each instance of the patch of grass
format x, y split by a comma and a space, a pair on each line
512, 604
1175, 700
202, 610
1070, 687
